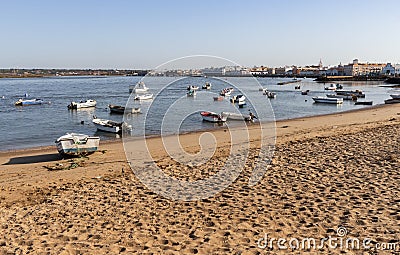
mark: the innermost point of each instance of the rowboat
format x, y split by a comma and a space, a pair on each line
238, 99
108, 125
121, 109
23, 102
344, 97
138, 88
144, 97
238, 116
242, 104
73, 144
226, 92
219, 98
334, 87
392, 101
357, 93
82, 104
213, 117
327, 100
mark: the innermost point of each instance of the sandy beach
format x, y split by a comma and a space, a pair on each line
328, 172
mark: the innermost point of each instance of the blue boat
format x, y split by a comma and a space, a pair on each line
35, 101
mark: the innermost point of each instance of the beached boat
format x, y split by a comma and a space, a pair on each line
82, 104
219, 98
357, 93
144, 97
23, 102
213, 117
138, 88
392, 101
238, 99
108, 125
192, 87
73, 144
191, 93
207, 85
363, 103
395, 96
344, 97
121, 109
327, 100
238, 116
226, 92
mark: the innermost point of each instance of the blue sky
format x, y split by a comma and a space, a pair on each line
144, 34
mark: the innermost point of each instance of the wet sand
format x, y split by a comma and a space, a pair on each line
338, 170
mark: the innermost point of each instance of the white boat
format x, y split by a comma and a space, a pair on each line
238, 116
242, 104
213, 117
271, 94
108, 125
206, 86
73, 144
144, 97
82, 104
226, 92
344, 97
331, 87
327, 100
121, 109
238, 99
34, 101
138, 88
395, 96
191, 93
192, 87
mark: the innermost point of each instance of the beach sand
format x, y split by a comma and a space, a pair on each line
339, 170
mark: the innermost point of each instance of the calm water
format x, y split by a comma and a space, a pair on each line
29, 126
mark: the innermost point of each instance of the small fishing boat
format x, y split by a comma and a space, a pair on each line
242, 104
121, 109
395, 96
363, 103
305, 92
82, 104
138, 88
192, 87
297, 87
238, 99
331, 87
213, 117
191, 93
327, 100
392, 101
357, 93
219, 98
344, 97
207, 85
226, 92
144, 97
73, 144
23, 102
239, 116
108, 125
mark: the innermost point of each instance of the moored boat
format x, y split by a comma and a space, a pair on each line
395, 96
144, 97
270, 94
121, 109
357, 93
226, 92
108, 125
344, 97
192, 87
305, 92
331, 87
35, 101
138, 88
219, 98
327, 100
238, 116
213, 117
363, 103
238, 99
82, 104
207, 85
73, 144
392, 101
191, 93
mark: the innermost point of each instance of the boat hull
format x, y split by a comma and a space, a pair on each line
213, 117
77, 144
328, 100
87, 104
